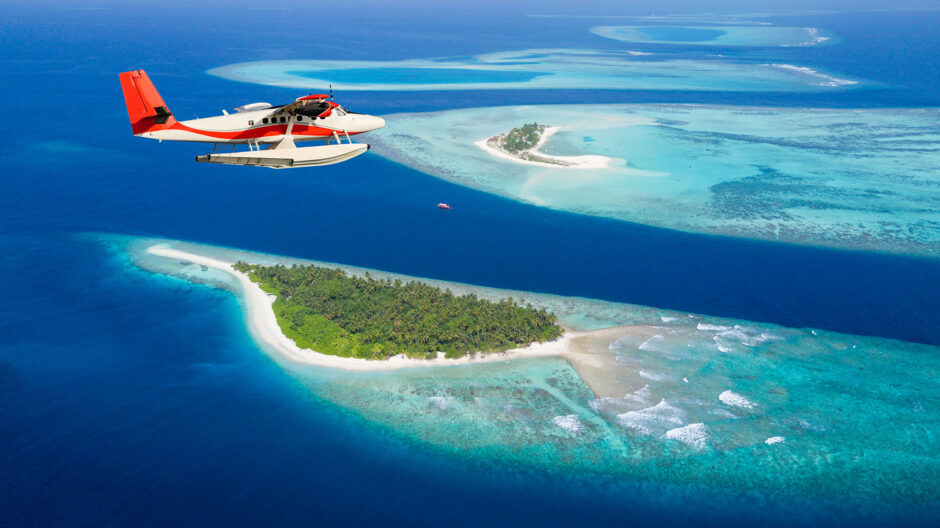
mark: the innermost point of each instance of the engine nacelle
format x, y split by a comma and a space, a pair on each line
253, 106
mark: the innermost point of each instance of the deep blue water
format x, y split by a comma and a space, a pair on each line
139, 401
127, 398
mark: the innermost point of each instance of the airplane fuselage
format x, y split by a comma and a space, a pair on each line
266, 126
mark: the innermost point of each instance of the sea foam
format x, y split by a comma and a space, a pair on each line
743, 334
825, 79
650, 344
712, 327
736, 400
569, 422
722, 346
694, 435
632, 400
652, 420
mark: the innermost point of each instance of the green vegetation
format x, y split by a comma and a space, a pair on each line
518, 141
522, 138
326, 310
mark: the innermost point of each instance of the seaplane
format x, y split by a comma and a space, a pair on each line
270, 133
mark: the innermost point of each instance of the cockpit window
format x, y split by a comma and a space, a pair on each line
313, 110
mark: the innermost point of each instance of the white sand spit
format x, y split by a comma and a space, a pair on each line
563, 162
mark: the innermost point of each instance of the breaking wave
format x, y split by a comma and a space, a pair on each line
650, 344
652, 420
722, 346
637, 397
736, 400
745, 335
712, 327
824, 79
693, 435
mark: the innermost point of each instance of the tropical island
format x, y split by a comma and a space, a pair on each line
522, 145
503, 324
519, 140
327, 310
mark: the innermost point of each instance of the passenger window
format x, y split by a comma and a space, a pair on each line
265, 120
251, 123
300, 118
283, 120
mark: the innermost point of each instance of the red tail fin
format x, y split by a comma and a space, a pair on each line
145, 107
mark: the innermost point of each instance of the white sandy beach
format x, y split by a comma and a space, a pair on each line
567, 162
263, 324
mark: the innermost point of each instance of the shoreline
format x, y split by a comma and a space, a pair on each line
587, 161
264, 326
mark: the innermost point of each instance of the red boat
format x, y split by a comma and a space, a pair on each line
443, 205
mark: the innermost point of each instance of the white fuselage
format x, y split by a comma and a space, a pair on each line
266, 126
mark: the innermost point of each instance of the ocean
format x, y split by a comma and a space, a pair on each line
134, 398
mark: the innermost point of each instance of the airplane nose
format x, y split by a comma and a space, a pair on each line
365, 123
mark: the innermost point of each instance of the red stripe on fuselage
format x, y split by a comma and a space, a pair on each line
262, 132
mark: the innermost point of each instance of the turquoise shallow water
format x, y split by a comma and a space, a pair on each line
861, 179
716, 35
750, 409
541, 69
682, 34
802, 390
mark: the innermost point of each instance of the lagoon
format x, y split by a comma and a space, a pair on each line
717, 35
854, 179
